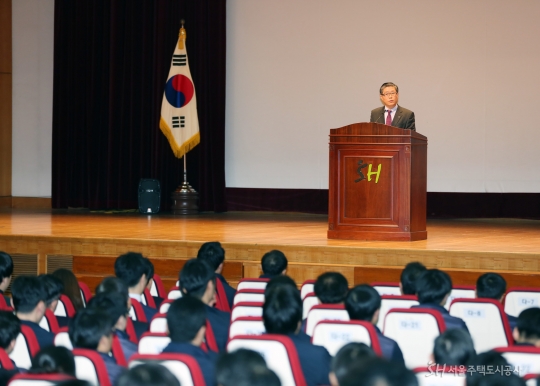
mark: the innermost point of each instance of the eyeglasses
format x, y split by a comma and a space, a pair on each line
389, 94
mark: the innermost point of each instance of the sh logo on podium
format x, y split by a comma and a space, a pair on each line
362, 177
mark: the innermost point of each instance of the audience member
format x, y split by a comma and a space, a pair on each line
149, 271
481, 361
198, 280
363, 302
273, 263
235, 368
453, 348
93, 329
409, 275
527, 331
10, 327
348, 357
132, 268
214, 255
186, 320
147, 374
71, 287
493, 286
52, 360
28, 296
282, 314
6, 272
331, 288
433, 289
53, 289
278, 281
379, 372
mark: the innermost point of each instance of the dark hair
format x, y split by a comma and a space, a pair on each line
148, 269
27, 292
282, 310
147, 374
489, 358
53, 359
71, 287
6, 265
453, 347
388, 84
212, 253
409, 275
274, 263
528, 323
375, 371
331, 288
88, 326
130, 267
74, 382
349, 356
10, 327
498, 380
53, 287
433, 286
235, 368
194, 277
279, 281
185, 318
112, 303
491, 286
113, 284
362, 302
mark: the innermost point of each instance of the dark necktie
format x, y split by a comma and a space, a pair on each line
389, 118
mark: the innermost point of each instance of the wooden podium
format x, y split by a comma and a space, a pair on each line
378, 181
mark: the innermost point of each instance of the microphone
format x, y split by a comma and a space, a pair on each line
382, 115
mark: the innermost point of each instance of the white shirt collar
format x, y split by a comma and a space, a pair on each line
136, 297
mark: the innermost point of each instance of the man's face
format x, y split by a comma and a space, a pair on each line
389, 97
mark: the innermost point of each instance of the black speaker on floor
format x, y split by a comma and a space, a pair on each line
149, 196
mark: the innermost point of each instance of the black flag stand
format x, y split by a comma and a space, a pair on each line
185, 197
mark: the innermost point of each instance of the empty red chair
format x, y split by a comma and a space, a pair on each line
183, 367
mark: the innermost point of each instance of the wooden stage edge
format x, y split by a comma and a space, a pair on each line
88, 243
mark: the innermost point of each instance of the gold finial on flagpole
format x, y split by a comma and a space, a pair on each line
182, 36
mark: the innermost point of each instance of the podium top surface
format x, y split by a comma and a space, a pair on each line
369, 129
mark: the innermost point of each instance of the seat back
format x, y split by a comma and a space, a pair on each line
49, 322
65, 307
335, 334
159, 323
4, 306
525, 359
415, 331
153, 342
278, 351
461, 292
5, 360
518, 299
441, 375
486, 322
307, 287
86, 294
387, 288
246, 309
325, 312
174, 293
222, 302
310, 301
89, 366
247, 325
38, 379
183, 367
62, 339
157, 289
530, 379
137, 312
147, 299
26, 346
394, 301
250, 295
259, 284
164, 306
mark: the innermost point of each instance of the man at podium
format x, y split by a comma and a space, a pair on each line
391, 114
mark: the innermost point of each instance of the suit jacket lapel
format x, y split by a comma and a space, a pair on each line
397, 117
381, 116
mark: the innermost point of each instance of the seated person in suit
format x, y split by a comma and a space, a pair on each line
132, 269
349, 356
409, 275
150, 276
186, 320
214, 255
244, 367
148, 374
29, 296
363, 302
6, 271
433, 288
391, 114
52, 359
379, 372
198, 279
10, 327
527, 331
481, 361
53, 288
453, 348
282, 314
273, 263
114, 304
493, 286
93, 330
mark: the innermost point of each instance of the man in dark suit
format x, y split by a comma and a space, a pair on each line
213, 254
391, 114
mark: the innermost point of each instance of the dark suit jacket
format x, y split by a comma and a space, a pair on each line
404, 118
315, 360
220, 322
449, 320
229, 291
206, 361
44, 337
389, 347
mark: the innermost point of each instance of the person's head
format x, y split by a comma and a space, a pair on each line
147, 374
6, 270
197, 279
186, 320
389, 94
363, 302
379, 372
279, 281
331, 288
433, 286
114, 284
488, 358
491, 286
114, 304
53, 359
409, 275
71, 287
28, 296
10, 327
453, 347
132, 269
239, 368
528, 327
149, 272
212, 254
92, 329
282, 311
349, 356
53, 289
274, 263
